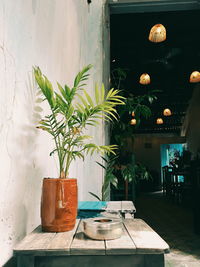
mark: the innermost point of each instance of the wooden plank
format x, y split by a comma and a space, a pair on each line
113, 215
41, 242
123, 245
81, 245
128, 206
147, 241
129, 215
35, 243
27, 241
62, 241
114, 206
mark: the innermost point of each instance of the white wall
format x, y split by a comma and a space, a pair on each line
61, 36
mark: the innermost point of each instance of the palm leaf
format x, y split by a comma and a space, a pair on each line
102, 92
96, 94
89, 99
82, 76
94, 195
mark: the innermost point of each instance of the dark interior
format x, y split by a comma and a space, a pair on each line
168, 63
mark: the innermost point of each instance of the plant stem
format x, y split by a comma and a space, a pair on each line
57, 143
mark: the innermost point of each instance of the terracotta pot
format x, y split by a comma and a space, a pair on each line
58, 204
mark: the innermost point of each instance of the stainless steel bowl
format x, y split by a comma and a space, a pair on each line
102, 228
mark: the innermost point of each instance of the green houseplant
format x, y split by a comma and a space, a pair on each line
109, 177
72, 110
122, 132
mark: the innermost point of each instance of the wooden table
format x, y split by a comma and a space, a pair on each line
138, 246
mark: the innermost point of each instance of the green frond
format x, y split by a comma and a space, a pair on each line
94, 195
102, 92
82, 75
69, 112
67, 90
107, 118
111, 114
80, 108
101, 165
63, 92
84, 137
89, 148
61, 103
67, 121
116, 101
45, 86
92, 122
109, 93
46, 129
96, 94
109, 149
80, 139
77, 154
52, 152
89, 99
83, 100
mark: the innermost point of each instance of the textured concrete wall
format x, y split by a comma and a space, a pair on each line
61, 36
191, 125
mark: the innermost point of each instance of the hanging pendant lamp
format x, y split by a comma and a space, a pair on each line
133, 122
133, 114
159, 121
157, 33
167, 112
195, 77
145, 79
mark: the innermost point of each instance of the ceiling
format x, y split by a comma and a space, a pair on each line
136, 6
169, 63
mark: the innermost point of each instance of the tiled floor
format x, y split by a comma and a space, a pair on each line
174, 223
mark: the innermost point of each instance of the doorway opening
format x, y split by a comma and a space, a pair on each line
157, 145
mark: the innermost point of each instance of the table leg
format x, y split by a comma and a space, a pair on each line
25, 261
154, 260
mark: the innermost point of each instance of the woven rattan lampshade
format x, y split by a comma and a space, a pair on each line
159, 121
195, 77
157, 33
145, 79
133, 122
167, 112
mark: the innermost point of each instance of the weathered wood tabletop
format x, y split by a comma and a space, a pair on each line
139, 245
126, 207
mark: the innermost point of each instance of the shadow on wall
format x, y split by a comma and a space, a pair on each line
21, 213
27, 139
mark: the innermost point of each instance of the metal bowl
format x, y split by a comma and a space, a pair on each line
102, 228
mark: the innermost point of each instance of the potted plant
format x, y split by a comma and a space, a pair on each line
122, 133
72, 110
109, 177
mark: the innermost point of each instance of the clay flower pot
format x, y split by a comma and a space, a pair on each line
58, 204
